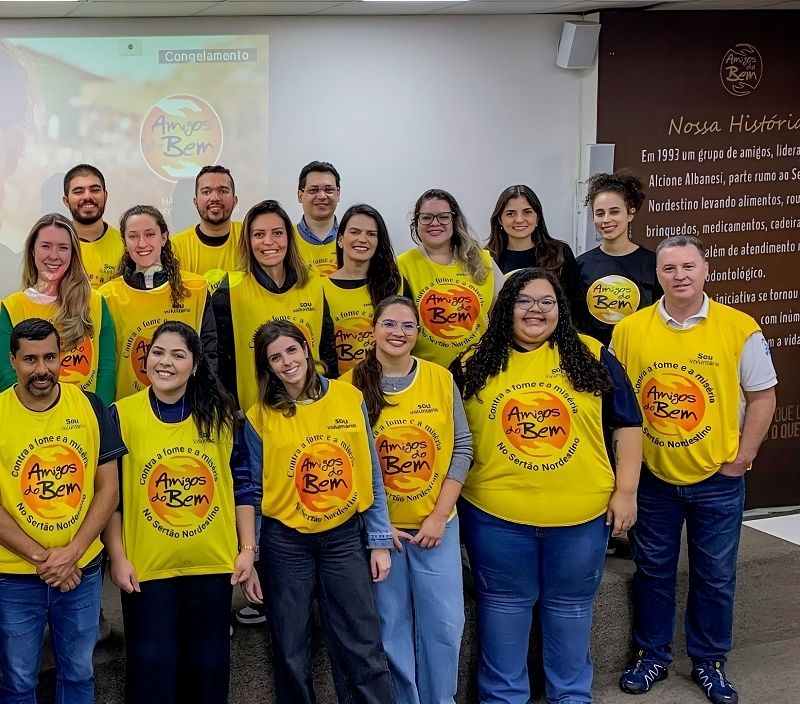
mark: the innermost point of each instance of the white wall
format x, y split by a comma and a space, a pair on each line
402, 104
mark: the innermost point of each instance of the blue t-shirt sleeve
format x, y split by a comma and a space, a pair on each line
620, 406
255, 461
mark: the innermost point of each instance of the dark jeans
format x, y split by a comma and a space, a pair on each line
712, 510
333, 566
177, 640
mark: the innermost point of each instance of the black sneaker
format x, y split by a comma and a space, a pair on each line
710, 675
643, 673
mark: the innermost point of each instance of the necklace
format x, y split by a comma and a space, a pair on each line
158, 407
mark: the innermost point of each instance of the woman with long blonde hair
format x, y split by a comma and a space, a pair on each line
55, 287
450, 278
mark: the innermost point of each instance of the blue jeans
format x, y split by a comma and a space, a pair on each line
515, 566
27, 604
421, 606
333, 567
177, 640
712, 510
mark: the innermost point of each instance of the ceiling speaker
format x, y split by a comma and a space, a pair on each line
578, 45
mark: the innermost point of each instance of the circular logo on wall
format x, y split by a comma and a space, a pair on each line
179, 135
741, 69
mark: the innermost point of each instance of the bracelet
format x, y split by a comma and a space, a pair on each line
251, 548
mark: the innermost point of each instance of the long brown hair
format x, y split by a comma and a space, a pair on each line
383, 276
466, 249
292, 261
177, 289
367, 375
271, 391
72, 319
548, 252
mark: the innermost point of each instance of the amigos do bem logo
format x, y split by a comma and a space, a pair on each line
741, 69
179, 135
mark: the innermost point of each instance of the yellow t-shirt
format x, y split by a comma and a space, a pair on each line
102, 257
178, 515
206, 260
540, 458
351, 311
317, 468
252, 306
79, 365
49, 462
414, 437
320, 258
137, 313
687, 383
453, 309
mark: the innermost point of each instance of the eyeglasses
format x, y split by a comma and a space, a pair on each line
315, 190
545, 305
393, 325
443, 218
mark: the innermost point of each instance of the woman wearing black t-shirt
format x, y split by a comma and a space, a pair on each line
618, 277
519, 238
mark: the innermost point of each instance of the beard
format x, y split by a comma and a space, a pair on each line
87, 219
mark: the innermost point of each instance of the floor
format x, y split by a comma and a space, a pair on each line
785, 526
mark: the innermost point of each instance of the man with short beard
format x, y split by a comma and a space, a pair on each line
58, 489
210, 248
101, 245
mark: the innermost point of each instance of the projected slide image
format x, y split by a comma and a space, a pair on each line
149, 112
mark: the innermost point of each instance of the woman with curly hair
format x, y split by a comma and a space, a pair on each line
451, 280
366, 274
519, 238
618, 277
541, 402
56, 288
149, 289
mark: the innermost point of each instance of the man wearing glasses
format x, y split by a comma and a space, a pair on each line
318, 193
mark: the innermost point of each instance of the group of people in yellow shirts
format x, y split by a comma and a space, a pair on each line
372, 412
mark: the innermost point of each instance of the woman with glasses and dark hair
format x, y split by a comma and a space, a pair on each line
186, 503
317, 478
149, 289
276, 284
519, 238
366, 274
451, 280
541, 401
56, 288
425, 449
618, 277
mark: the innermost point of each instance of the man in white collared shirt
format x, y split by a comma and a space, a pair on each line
691, 360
